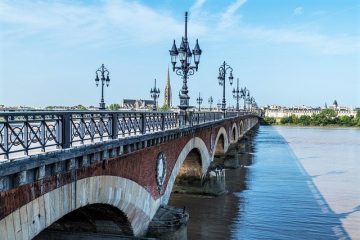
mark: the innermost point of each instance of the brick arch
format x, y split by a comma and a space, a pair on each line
222, 132
126, 195
194, 143
234, 129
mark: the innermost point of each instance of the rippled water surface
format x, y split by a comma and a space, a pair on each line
274, 196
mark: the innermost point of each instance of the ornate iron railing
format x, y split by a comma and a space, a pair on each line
31, 132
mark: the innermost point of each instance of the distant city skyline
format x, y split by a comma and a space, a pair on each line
286, 52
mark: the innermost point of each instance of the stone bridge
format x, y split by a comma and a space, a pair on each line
55, 164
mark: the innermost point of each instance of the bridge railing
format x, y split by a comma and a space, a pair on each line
31, 132
26, 133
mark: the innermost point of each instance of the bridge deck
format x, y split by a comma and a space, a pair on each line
29, 133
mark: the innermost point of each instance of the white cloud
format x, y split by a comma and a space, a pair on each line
124, 23
298, 11
228, 18
111, 22
196, 7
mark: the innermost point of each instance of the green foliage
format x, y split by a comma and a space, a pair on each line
164, 108
324, 118
268, 121
305, 120
80, 107
345, 120
285, 120
114, 107
328, 113
358, 114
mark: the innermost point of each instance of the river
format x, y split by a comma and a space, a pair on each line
297, 183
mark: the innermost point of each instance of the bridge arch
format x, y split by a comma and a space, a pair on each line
221, 143
234, 133
241, 128
129, 197
194, 146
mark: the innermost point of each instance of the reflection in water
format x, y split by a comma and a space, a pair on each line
268, 198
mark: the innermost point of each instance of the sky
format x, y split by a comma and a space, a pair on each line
291, 53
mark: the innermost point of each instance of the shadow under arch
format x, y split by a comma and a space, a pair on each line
221, 143
98, 218
193, 153
234, 133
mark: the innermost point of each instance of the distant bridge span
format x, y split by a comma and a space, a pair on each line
126, 160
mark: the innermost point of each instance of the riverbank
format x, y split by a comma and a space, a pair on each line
330, 126
327, 117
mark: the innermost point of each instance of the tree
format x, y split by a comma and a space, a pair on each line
294, 119
268, 120
80, 107
346, 121
305, 120
285, 120
114, 107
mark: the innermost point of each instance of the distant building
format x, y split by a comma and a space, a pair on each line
280, 112
167, 92
137, 104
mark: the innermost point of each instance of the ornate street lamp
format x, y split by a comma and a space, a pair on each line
248, 99
103, 71
243, 92
236, 95
223, 70
199, 101
185, 69
155, 92
251, 103
210, 101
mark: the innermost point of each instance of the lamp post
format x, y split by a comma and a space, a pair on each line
248, 99
104, 80
199, 101
251, 103
236, 95
210, 101
219, 104
243, 92
155, 92
223, 70
185, 69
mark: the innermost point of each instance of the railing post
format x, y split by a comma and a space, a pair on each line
114, 126
143, 123
190, 116
26, 135
66, 130
42, 131
182, 119
6, 137
162, 121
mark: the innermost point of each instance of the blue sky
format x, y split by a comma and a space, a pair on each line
286, 52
